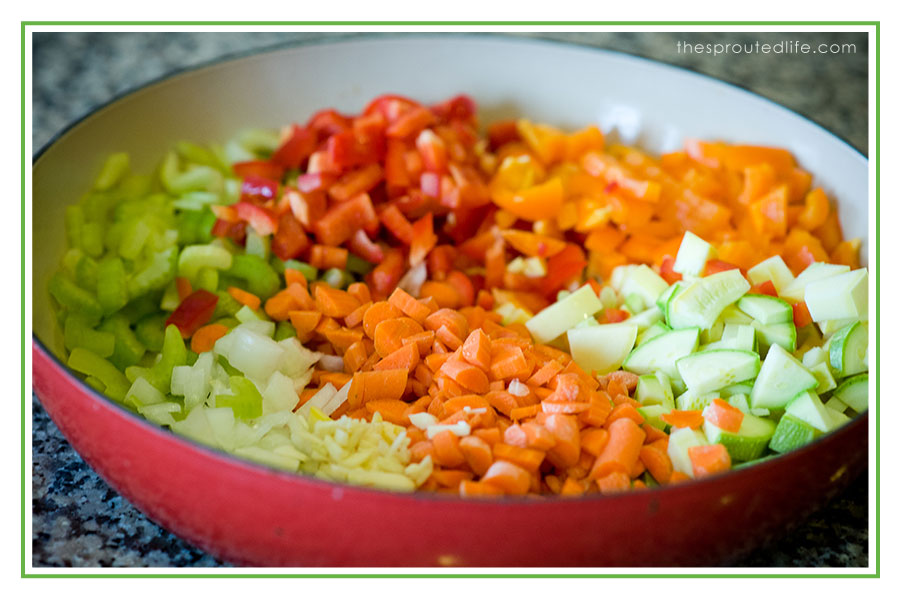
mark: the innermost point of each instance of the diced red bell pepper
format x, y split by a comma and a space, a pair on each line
235, 231
423, 239
347, 149
666, 270
258, 189
460, 107
433, 151
395, 173
802, 318
766, 287
313, 182
296, 148
362, 246
390, 106
472, 190
714, 266
397, 224
259, 218
502, 133
308, 207
410, 123
430, 184
326, 123
320, 162
614, 315
384, 277
344, 219
193, 312
562, 268
468, 220
258, 168
356, 182
290, 240
370, 126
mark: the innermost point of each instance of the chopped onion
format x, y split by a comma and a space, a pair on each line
319, 399
460, 428
331, 363
423, 420
519, 389
412, 281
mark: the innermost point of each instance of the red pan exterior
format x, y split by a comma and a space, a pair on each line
252, 515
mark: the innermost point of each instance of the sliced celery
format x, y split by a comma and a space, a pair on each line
87, 362
92, 238
128, 348
156, 275
86, 273
208, 279
114, 169
284, 330
261, 279
245, 400
308, 271
74, 225
112, 292
337, 278
227, 306
174, 353
74, 298
77, 333
133, 239
358, 265
194, 258
150, 331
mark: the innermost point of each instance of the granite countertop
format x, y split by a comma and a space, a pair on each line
79, 521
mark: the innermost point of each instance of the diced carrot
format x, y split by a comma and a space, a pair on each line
684, 418
336, 379
614, 483
389, 334
502, 401
507, 476
626, 411
393, 411
452, 319
509, 362
653, 433
342, 338
420, 450
405, 357
360, 291
205, 337
594, 440
328, 257
491, 435
526, 458
333, 302
801, 315
524, 412
354, 357
724, 416
355, 318
451, 478
377, 385
622, 449
472, 489
567, 449
463, 285
477, 453
293, 276
444, 294
409, 306
477, 349
571, 487
468, 376
657, 462
378, 312
304, 322
709, 460
447, 450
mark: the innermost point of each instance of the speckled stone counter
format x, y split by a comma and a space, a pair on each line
78, 521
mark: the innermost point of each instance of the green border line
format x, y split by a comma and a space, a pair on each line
238, 575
